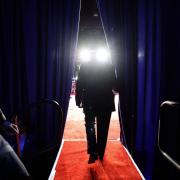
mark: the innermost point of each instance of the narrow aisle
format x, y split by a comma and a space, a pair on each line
74, 128
71, 162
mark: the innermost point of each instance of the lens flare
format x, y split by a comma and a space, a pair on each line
102, 55
85, 55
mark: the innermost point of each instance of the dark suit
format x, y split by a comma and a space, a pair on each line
94, 91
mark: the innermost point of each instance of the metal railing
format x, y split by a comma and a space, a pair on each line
165, 154
58, 108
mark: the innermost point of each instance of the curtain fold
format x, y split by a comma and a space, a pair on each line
37, 52
119, 23
144, 41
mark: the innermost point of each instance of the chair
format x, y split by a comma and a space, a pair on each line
169, 131
42, 132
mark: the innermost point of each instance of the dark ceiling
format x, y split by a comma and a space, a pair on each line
89, 14
88, 7
90, 29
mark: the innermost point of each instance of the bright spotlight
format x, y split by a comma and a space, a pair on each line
85, 55
102, 55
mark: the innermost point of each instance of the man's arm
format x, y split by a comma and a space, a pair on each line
79, 88
115, 86
78, 93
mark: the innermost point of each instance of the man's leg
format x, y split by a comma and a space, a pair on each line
90, 134
103, 120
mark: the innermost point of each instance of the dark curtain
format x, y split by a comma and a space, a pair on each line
119, 22
144, 39
37, 50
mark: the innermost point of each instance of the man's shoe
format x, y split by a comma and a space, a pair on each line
101, 158
92, 159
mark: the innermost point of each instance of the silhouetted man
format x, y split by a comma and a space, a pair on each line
94, 92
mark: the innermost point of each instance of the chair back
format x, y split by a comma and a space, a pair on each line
169, 132
43, 131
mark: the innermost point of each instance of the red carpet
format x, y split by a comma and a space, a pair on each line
75, 128
72, 163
